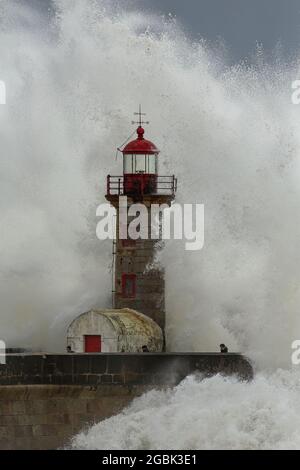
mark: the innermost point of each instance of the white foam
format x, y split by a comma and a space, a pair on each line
232, 137
215, 413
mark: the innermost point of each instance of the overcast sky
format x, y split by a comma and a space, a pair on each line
240, 23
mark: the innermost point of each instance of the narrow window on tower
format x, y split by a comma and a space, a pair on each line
128, 285
128, 243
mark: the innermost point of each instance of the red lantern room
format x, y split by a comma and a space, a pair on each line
140, 169
140, 165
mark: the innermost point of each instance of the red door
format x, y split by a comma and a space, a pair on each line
92, 343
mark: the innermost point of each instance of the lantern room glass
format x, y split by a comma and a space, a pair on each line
140, 163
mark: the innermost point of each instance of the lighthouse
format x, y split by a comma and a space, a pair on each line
136, 321
138, 280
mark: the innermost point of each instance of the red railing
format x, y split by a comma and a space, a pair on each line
141, 183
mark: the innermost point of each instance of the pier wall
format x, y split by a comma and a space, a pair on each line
46, 398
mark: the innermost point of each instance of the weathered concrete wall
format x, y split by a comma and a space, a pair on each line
46, 398
121, 330
116, 368
47, 416
138, 258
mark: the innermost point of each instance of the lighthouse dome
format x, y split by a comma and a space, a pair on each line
140, 145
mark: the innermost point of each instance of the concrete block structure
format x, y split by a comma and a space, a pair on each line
122, 330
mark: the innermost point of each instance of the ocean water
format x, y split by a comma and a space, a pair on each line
215, 413
74, 75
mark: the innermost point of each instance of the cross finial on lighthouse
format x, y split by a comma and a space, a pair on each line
140, 114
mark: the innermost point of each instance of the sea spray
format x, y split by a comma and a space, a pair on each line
214, 413
231, 135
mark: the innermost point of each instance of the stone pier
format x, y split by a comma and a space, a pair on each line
46, 398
